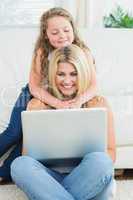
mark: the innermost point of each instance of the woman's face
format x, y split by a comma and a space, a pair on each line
66, 79
59, 32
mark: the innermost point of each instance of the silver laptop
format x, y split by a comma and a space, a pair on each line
68, 133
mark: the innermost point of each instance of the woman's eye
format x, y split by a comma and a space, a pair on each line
74, 74
60, 74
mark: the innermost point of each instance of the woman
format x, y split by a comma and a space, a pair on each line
69, 75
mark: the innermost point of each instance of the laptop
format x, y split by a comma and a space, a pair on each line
50, 135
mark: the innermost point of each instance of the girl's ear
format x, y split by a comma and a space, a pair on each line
46, 38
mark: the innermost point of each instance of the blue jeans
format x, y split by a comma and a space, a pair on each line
12, 135
90, 180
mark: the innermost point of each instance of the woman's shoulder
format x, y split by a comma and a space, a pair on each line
98, 101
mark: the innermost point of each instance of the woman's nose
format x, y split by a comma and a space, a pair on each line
67, 80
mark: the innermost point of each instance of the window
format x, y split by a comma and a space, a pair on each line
23, 12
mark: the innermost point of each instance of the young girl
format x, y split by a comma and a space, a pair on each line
57, 30
69, 75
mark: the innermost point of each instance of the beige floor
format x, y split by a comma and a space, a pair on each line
11, 192
124, 190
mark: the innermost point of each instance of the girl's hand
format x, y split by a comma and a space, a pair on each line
75, 103
62, 104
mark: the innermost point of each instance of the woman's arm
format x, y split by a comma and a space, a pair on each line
36, 88
34, 104
24, 152
111, 135
102, 102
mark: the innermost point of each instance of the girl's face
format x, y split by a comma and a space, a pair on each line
66, 79
59, 32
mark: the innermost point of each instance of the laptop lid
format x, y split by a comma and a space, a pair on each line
64, 133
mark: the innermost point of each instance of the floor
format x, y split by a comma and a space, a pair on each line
125, 185
11, 192
124, 189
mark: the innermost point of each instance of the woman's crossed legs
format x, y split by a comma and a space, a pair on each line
91, 179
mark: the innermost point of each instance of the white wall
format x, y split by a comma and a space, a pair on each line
70, 5
112, 50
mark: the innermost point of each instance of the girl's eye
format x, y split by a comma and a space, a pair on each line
54, 33
66, 30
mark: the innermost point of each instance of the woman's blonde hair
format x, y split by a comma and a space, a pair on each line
76, 56
43, 43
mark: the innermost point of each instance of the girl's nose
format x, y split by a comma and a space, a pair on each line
62, 34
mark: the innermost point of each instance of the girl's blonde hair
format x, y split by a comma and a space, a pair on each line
43, 43
76, 56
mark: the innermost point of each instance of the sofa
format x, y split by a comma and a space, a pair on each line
112, 50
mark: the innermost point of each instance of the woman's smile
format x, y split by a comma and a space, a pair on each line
66, 79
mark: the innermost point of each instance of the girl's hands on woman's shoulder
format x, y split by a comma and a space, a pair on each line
62, 104
76, 102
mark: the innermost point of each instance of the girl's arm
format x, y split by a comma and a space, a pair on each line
36, 88
92, 90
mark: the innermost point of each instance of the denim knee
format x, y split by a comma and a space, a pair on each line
101, 160
98, 157
21, 166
